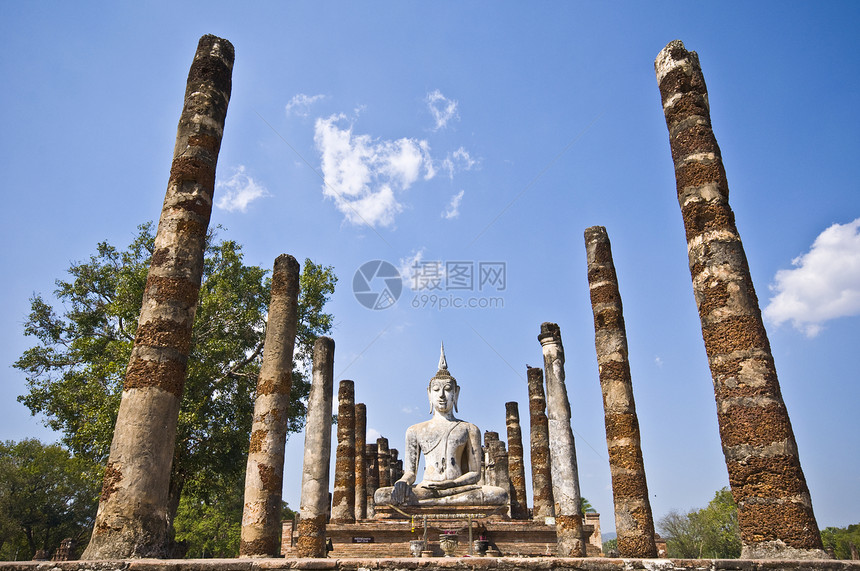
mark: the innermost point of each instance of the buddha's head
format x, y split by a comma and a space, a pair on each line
443, 391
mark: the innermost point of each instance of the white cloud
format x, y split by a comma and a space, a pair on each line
823, 285
459, 160
300, 104
442, 109
371, 435
453, 210
364, 175
658, 361
238, 191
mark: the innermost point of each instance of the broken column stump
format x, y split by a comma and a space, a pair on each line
132, 519
634, 522
343, 496
544, 504
516, 466
313, 510
562, 449
774, 506
383, 462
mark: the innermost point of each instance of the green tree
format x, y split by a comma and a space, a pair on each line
610, 547
586, 507
841, 540
711, 532
76, 371
46, 495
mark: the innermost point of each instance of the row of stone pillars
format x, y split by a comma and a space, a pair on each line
774, 506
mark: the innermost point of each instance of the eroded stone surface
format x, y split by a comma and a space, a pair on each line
261, 522
315, 468
132, 518
755, 428
544, 505
516, 465
343, 496
562, 448
634, 522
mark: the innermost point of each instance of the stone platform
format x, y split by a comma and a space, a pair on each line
428, 564
390, 538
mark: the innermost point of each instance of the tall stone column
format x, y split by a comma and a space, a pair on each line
343, 497
501, 475
774, 506
384, 462
132, 519
313, 509
489, 468
264, 476
372, 477
516, 465
562, 449
360, 461
633, 519
544, 503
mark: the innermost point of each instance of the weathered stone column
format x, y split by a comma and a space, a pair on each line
633, 519
501, 476
393, 453
343, 497
372, 477
544, 503
489, 467
264, 476
132, 519
313, 509
774, 506
562, 449
516, 466
360, 461
383, 462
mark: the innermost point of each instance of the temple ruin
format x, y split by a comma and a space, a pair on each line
472, 494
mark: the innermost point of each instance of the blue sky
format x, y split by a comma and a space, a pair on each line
460, 134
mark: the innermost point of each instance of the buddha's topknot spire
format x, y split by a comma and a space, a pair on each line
443, 364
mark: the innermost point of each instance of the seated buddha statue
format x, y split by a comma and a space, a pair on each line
452, 454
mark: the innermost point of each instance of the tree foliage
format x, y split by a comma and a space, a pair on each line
46, 495
76, 371
711, 532
840, 540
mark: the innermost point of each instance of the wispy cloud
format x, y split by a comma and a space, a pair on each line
300, 104
364, 175
823, 285
453, 210
238, 191
371, 435
459, 160
442, 109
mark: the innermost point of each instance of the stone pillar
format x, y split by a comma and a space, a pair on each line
132, 519
393, 453
633, 519
384, 462
313, 509
516, 465
562, 449
360, 461
544, 503
501, 476
343, 497
774, 506
264, 476
371, 455
489, 468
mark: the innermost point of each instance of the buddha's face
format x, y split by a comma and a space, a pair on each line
443, 395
